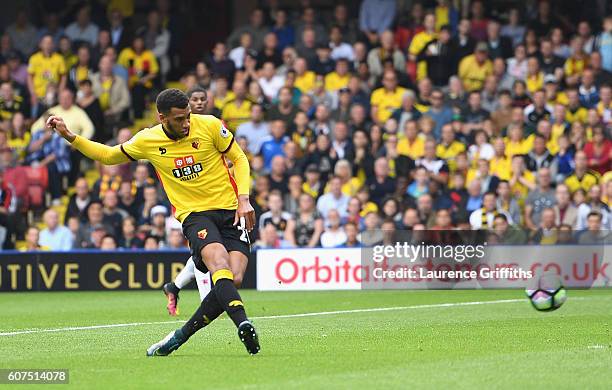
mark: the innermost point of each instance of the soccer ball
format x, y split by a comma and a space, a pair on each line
547, 294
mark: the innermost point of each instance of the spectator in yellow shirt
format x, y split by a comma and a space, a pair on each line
522, 180
582, 178
387, 99
474, 69
516, 143
575, 64
238, 110
535, 77
142, 69
421, 40
44, 67
574, 111
339, 78
221, 94
500, 164
304, 78
412, 145
553, 96
449, 148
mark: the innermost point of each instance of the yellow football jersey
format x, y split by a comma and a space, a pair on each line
192, 170
45, 70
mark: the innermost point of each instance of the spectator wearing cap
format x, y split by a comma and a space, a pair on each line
158, 223
474, 69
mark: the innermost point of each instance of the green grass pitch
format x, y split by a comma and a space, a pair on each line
497, 345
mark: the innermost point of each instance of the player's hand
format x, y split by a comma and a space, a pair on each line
246, 211
57, 123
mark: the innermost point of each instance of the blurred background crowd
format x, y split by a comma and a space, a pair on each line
358, 118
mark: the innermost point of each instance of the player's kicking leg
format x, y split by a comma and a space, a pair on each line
172, 289
227, 270
211, 307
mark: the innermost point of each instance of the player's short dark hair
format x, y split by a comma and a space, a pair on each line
169, 98
197, 88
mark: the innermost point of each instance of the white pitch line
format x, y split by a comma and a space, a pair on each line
322, 313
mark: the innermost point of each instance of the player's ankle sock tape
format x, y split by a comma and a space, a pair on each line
228, 297
209, 310
222, 274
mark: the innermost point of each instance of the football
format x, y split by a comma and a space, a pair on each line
547, 294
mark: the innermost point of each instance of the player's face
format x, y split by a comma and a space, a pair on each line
177, 121
197, 102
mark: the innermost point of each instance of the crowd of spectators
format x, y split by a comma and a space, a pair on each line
413, 115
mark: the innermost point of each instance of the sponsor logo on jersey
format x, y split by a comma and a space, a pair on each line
186, 168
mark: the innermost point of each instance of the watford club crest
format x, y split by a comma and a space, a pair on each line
195, 145
202, 234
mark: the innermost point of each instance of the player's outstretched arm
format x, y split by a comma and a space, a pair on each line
108, 155
242, 175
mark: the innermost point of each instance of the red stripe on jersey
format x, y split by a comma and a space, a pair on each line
162, 184
231, 178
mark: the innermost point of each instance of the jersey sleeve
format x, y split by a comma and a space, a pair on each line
136, 147
222, 137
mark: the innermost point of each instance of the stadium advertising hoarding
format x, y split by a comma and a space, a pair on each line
93, 270
395, 267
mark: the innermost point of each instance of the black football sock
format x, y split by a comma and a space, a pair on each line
227, 295
208, 311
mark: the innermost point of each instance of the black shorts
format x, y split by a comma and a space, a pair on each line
205, 227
